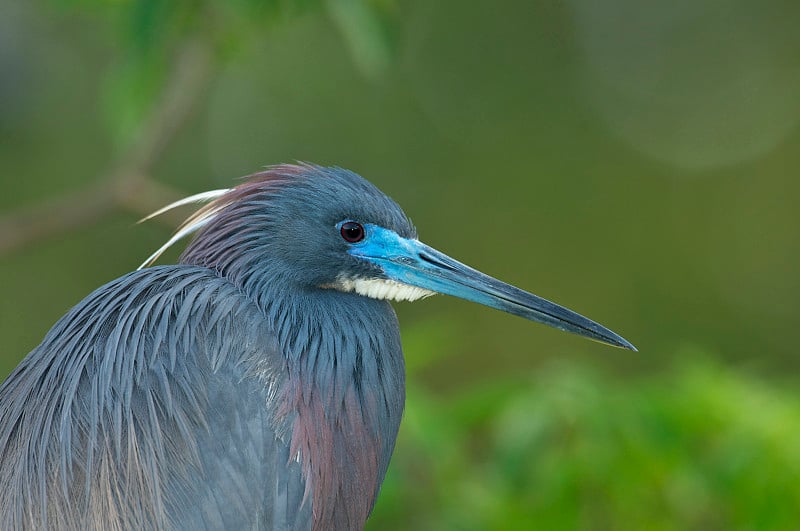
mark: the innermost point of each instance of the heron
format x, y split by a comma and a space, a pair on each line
258, 383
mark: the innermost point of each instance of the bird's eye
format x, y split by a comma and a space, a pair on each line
352, 232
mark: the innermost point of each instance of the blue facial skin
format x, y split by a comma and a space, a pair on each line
412, 262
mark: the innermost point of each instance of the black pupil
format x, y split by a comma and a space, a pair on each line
352, 232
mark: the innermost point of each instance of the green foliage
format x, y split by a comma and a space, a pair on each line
152, 31
702, 447
365, 26
129, 93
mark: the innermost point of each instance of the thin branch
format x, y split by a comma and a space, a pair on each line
178, 100
127, 184
54, 216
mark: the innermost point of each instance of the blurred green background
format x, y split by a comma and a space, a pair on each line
635, 161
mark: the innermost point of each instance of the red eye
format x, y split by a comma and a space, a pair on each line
352, 232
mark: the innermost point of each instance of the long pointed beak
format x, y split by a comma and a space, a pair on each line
414, 263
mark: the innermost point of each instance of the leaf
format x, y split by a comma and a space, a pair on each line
131, 90
365, 28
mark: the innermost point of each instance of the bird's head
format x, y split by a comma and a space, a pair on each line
328, 228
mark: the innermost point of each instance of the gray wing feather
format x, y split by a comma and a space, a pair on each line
147, 407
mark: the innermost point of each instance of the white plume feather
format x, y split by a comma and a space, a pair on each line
192, 224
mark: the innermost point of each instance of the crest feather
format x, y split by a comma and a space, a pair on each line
193, 223
216, 201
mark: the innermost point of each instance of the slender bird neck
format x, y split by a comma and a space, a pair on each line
344, 397
333, 340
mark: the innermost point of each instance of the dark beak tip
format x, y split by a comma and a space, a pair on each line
627, 345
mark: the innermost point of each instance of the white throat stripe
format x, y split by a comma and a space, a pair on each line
375, 288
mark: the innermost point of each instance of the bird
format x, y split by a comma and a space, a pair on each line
258, 383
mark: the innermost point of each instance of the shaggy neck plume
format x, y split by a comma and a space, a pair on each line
336, 400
